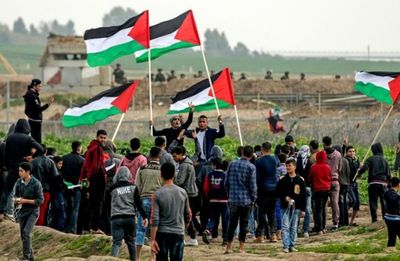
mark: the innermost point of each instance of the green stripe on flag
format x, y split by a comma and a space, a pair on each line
376, 92
108, 56
209, 106
157, 52
89, 118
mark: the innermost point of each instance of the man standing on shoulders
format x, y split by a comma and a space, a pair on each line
170, 215
33, 108
242, 192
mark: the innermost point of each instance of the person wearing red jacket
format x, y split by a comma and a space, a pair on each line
320, 180
93, 175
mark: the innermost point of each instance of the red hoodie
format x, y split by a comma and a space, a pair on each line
320, 173
94, 161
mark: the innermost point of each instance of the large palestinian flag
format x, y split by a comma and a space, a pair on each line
179, 32
105, 44
107, 103
201, 95
382, 86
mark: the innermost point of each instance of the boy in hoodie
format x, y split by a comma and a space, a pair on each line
125, 200
335, 162
134, 160
378, 177
392, 216
320, 180
93, 174
186, 179
18, 146
291, 190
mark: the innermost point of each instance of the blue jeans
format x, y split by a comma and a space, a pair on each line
73, 202
290, 218
57, 211
354, 196
141, 231
278, 215
170, 244
26, 224
252, 224
307, 216
123, 228
219, 209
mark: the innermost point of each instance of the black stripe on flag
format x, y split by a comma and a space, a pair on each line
167, 27
113, 92
389, 74
195, 89
104, 32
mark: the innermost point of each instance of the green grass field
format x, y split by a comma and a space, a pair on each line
25, 59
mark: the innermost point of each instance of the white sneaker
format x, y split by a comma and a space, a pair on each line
192, 242
306, 235
285, 250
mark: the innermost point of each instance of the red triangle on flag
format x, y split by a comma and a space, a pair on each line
124, 99
394, 86
140, 31
223, 88
187, 32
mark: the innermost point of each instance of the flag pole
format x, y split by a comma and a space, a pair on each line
375, 138
238, 124
118, 126
209, 78
150, 92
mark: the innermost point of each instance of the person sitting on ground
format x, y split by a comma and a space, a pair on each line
392, 216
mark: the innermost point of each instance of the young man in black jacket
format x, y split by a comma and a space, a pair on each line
392, 216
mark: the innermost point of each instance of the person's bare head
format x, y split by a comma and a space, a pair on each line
101, 136
203, 122
176, 121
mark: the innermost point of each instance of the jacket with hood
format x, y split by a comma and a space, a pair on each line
33, 107
354, 165
320, 173
216, 153
377, 166
94, 162
125, 198
19, 145
134, 161
334, 160
392, 199
44, 169
186, 177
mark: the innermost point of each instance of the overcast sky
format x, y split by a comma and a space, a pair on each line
269, 25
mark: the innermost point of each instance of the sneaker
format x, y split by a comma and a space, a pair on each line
306, 235
9, 217
97, 232
285, 250
320, 233
192, 242
335, 228
205, 236
259, 239
292, 249
273, 238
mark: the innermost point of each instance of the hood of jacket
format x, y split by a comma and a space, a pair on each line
321, 157
187, 160
329, 150
93, 144
216, 153
22, 126
377, 149
123, 174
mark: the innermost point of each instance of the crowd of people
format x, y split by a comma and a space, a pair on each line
155, 199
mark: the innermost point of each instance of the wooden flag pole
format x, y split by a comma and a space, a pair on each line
150, 92
118, 126
374, 140
238, 124
209, 78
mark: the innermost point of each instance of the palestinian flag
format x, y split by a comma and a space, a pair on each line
382, 86
105, 44
179, 32
105, 104
201, 95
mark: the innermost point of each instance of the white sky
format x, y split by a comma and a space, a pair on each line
269, 25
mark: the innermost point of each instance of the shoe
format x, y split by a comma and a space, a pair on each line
285, 250
354, 225
273, 238
278, 234
335, 228
205, 236
306, 235
9, 217
192, 242
259, 239
97, 232
292, 249
85, 232
320, 233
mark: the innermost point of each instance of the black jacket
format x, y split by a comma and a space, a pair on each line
32, 190
19, 145
354, 165
72, 165
33, 107
377, 166
294, 188
392, 200
45, 171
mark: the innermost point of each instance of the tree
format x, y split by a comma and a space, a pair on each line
70, 28
241, 49
118, 15
19, 26
33, 31
216, 42
5, 36
44, 29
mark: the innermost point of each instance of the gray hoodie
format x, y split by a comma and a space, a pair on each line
125, 198
186, 177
